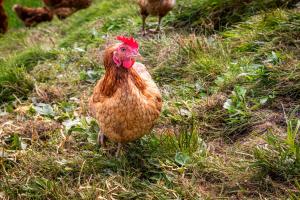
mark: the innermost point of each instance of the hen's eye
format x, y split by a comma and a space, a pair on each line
123, 49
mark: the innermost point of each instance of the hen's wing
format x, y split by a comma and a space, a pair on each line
151, 88
142, 71
95, 98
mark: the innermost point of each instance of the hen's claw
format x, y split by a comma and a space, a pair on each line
144, 33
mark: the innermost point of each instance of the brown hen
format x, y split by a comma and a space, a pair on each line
158, 8
78, 4
33, 16
126, 101
64, 8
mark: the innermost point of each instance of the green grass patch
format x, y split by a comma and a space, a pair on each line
206, 16
14, 79
31, 57
280, 158
14, 82
103, 18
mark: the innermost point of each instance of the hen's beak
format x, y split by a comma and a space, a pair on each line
137, 56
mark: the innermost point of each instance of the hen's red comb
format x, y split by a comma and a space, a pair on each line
129, 41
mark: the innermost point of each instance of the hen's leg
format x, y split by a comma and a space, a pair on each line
101, 139
30, 21
119, 149
144, 25
159, 24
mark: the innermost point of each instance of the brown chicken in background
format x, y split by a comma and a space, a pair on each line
61, 8
64, 8
158, 8
77, 4
126, 101
3, 19
33, 16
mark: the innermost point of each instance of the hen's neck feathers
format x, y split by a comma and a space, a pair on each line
116, 77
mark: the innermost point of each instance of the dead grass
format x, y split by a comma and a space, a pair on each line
48, 94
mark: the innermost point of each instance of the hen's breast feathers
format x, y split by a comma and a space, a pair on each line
150, 90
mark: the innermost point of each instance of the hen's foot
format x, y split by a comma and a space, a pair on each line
153, 31
118, 149
101, 139
143, 32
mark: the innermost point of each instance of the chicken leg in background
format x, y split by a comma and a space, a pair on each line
125, 101
159, 8
3, 19
33, 16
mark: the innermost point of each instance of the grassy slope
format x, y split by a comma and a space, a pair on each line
223, 94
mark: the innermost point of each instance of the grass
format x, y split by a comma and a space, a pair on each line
13, 79
14, 82
284, 150
222, 133
207, 16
